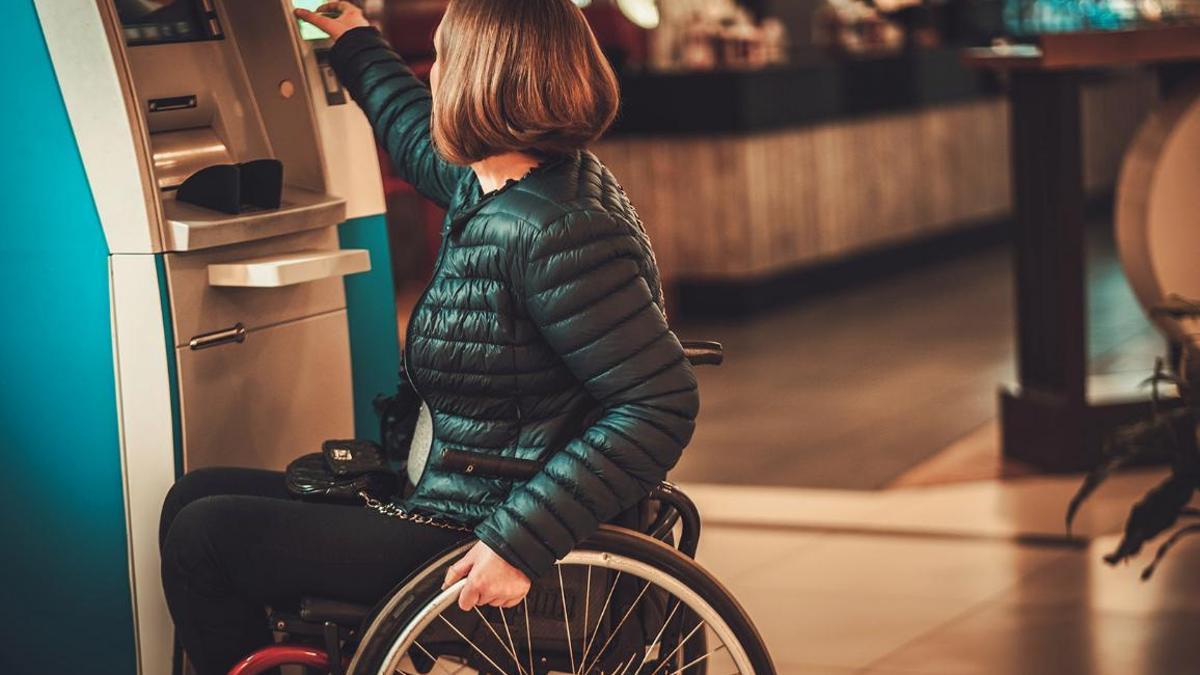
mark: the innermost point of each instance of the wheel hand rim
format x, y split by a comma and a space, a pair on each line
620, 565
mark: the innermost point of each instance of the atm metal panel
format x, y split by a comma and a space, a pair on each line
263, 402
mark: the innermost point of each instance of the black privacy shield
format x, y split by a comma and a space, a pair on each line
236, 188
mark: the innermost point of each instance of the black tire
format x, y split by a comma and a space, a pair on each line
407, 602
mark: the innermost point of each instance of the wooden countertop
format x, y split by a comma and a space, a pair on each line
1092, 49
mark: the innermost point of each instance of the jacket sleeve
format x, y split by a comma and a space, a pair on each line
585, 292
398, 105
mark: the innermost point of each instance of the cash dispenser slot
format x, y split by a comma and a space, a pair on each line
180, 154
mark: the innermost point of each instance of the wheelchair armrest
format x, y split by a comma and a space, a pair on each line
703, 352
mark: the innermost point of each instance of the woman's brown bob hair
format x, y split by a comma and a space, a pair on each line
519, 75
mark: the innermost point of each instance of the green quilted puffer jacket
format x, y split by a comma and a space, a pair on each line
540, 342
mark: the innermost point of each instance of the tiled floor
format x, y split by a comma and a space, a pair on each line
951, 580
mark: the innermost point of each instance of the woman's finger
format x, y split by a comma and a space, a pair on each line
456, 571
502, 600
319, 20
469, 597
340, 9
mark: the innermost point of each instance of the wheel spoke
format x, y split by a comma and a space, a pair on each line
654, 643
616, 630
624, 665
698, 660
679, 646
499, 640
562, 591
627, 666
436, 661
587, 595
528, 634
471, 642
587, 649
511, 644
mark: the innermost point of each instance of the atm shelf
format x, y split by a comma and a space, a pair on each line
191, 228
290, 268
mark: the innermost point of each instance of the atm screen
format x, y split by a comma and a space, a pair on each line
148, 22
307, 30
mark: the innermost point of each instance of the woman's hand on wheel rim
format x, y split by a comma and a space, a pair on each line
348, 16
490, 579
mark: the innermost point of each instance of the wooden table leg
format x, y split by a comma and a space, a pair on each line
1045, 419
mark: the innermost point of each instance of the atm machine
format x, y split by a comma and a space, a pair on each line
148, 336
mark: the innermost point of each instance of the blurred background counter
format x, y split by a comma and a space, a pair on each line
746, 178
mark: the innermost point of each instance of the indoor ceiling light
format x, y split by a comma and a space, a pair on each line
644, 13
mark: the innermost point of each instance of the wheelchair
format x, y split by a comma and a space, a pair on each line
630, 600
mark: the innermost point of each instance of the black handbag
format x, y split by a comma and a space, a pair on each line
344, 471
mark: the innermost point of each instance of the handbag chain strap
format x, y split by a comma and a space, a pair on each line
393, 511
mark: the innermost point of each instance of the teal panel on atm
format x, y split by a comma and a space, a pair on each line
371, 303
65, 564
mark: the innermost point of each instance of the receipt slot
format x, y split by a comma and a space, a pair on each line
236, 336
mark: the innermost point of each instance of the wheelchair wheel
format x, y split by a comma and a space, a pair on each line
621, 603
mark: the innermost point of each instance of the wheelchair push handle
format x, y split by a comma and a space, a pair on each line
703, 352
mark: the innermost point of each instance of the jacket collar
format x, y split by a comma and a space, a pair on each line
530, 181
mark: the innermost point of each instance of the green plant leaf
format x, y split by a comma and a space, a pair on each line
1167, 546
1124, 445
1156, 512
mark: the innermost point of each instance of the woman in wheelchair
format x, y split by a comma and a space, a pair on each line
540, 342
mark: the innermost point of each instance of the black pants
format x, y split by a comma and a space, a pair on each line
233, 541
